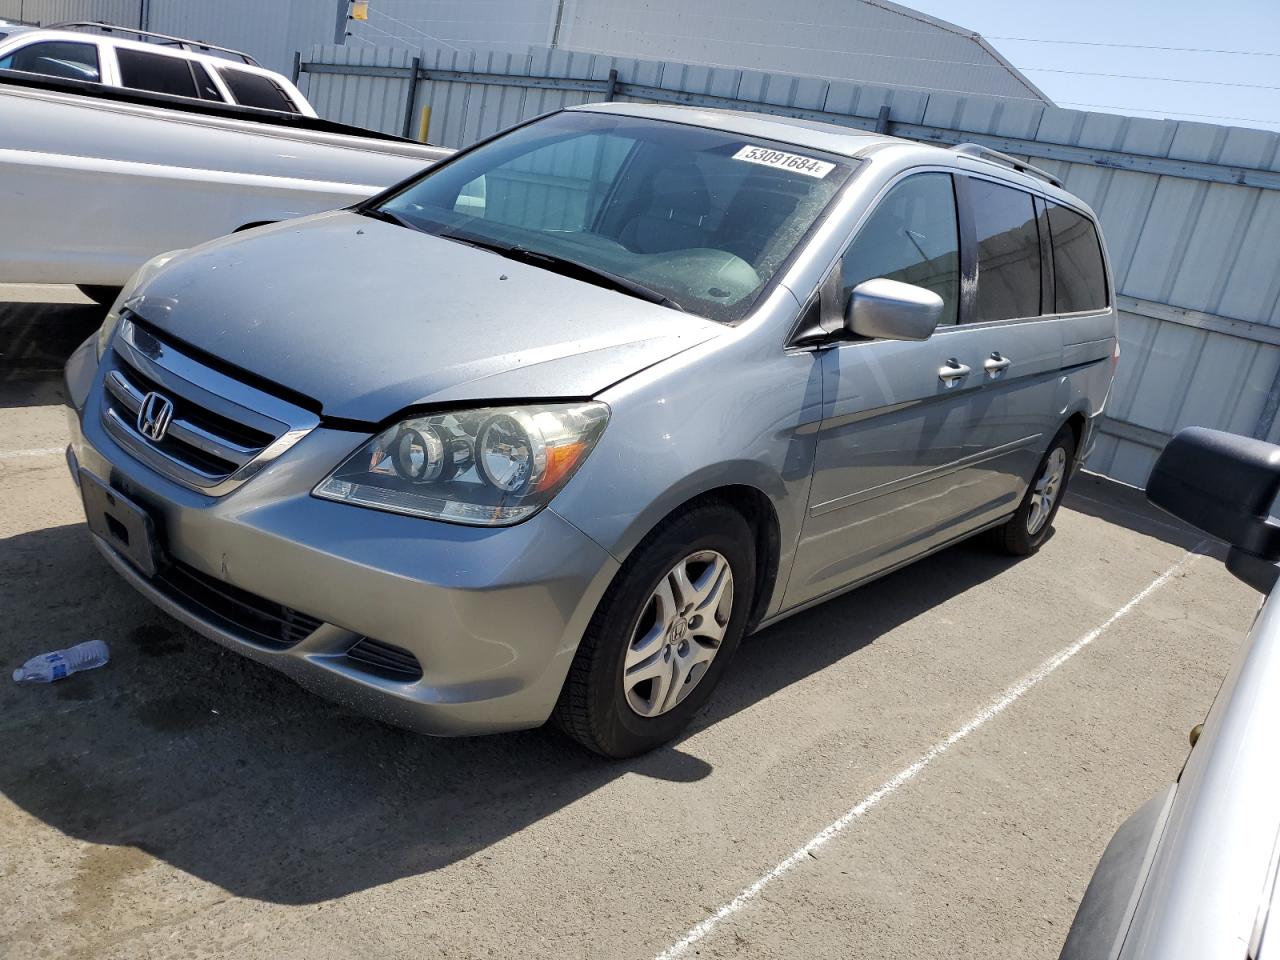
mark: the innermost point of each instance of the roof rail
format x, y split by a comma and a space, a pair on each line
195, 46
995, 156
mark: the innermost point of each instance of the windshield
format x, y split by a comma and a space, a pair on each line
701, 218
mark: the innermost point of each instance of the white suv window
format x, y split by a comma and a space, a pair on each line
56, 58
204, 80
255, 90
156, 72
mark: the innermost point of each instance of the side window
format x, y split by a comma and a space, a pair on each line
56, 58
1079, 278
255, 90
912, 237
1008, 252
204, 83
156, 73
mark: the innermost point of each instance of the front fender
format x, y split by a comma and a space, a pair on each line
736, 411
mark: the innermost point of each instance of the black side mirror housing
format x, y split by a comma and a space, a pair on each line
1225, 485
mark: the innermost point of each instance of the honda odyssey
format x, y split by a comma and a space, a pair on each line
546, 430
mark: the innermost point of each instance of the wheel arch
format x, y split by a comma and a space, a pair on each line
1077, 421
750, 497
758, 510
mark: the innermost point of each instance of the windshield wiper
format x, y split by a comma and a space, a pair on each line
386, 216
567, 267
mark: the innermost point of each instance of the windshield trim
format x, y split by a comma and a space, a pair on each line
375, 203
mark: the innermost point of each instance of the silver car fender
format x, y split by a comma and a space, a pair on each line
737, 411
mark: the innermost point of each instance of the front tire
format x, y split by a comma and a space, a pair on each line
1024, 532
663, 635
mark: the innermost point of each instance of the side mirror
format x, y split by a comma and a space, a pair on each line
890, 310
1225, 485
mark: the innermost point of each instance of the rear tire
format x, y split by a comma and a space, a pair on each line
1023, 533
103, 296
676, 634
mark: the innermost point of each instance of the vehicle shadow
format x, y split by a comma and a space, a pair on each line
1125, 506
229, 772
36, 338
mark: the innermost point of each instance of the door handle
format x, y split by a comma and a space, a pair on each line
995, 365
953, 372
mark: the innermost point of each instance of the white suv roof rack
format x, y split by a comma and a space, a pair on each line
995, 156
194, 46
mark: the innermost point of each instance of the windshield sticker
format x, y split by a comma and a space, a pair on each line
785, 161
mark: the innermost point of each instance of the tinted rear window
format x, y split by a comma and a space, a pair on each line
156, 73
1008, 252
1080, 280
254, 90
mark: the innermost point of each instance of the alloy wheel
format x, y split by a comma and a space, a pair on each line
1046, 490
678, 633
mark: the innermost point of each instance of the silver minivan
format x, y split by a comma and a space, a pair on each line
544, 431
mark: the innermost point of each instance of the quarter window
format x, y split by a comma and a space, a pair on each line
56, 58
156, 73
208, 89
1080, 280
254, 90
911, 237
1008, 252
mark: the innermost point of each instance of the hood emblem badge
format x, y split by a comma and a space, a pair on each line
154, 416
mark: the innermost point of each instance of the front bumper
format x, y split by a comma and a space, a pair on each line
492, 615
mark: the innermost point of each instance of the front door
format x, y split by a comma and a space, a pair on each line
917, 444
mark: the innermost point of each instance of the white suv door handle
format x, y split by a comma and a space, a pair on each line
952, 372
995, 364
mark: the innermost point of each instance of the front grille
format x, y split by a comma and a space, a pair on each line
222, 430
384, 660
258, 619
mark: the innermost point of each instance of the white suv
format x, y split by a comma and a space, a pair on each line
163, 65
9, 27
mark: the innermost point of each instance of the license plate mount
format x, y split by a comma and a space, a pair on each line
120, 522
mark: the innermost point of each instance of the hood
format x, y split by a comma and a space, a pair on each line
367, 318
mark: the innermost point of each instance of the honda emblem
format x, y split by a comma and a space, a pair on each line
154, 416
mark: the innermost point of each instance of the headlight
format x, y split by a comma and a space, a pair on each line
490, 467
143, 274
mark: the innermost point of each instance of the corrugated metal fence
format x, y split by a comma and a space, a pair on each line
1191, 211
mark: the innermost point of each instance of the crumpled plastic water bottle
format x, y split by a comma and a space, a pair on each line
48, 667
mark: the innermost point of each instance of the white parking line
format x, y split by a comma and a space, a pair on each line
36, 452
996, 707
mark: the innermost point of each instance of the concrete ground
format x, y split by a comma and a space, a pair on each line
183, 802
